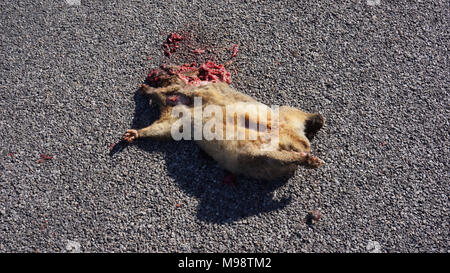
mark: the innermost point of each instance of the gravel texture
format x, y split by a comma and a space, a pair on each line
377, 70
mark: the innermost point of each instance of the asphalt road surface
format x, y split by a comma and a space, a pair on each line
377, 70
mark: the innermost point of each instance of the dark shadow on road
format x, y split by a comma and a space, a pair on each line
200, 176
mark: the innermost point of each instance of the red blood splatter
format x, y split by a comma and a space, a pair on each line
383, 143
45, 157
111, 146
172, 43
11, 154
152, 77
198, 51
178, 99
149, 58
173, 98
195, 75
153, 72
235, 49
229, 180
186, 73
178, 205
190, 74
212, 72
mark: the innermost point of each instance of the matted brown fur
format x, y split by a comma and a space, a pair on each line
242, 157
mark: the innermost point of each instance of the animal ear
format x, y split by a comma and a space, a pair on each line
313, 124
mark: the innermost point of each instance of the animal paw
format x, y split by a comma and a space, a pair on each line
314, 161
130, 135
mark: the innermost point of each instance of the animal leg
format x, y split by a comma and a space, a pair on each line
159, 130
290, 157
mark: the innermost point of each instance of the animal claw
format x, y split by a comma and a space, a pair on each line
130, 135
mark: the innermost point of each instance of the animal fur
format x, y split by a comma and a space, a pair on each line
240, 157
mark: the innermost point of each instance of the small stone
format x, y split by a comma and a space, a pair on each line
73, 246
373, 247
